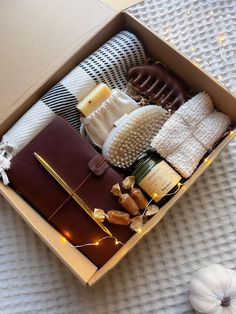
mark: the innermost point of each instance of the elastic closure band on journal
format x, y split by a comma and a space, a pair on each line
74, 192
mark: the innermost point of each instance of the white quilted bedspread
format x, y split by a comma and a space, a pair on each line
199, 230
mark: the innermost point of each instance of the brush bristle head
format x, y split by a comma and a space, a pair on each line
128, 142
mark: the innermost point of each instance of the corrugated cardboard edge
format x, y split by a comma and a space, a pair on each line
120, 5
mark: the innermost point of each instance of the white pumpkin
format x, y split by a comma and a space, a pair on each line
213, 290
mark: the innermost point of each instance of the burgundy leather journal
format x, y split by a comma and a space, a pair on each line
76, 161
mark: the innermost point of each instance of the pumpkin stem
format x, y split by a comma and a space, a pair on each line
225, 302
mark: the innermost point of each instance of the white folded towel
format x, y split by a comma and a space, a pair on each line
189, 133
209, 130
196, 109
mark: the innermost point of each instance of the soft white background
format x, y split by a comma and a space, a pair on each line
199, 230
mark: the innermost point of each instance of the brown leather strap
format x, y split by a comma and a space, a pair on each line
98, 165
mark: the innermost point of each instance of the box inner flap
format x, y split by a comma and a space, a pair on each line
38, 36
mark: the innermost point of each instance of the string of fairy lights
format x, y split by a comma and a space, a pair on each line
220, 40
139, 229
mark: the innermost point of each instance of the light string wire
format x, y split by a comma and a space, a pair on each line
179, 184
116, 241
98, 242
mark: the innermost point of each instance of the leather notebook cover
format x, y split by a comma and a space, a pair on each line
74, 159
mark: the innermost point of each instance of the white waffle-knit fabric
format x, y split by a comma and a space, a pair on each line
200, 229
189, 133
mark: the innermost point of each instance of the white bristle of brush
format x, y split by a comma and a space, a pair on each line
128, 141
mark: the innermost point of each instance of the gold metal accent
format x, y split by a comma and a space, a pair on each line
70, 191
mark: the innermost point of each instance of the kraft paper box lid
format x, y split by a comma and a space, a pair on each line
39, 36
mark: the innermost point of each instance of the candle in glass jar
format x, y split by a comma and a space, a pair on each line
155, 176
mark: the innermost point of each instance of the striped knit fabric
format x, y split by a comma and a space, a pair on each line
109, 64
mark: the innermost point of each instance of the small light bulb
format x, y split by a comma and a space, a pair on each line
221, 38
211, 13
63, 239
155, 196
117, 242
97, 243
67, 234
207, 161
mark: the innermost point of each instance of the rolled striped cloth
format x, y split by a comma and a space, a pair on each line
109, 64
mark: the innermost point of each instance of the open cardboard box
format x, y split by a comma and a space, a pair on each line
35, 58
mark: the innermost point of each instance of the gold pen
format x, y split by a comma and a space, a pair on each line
70, 191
